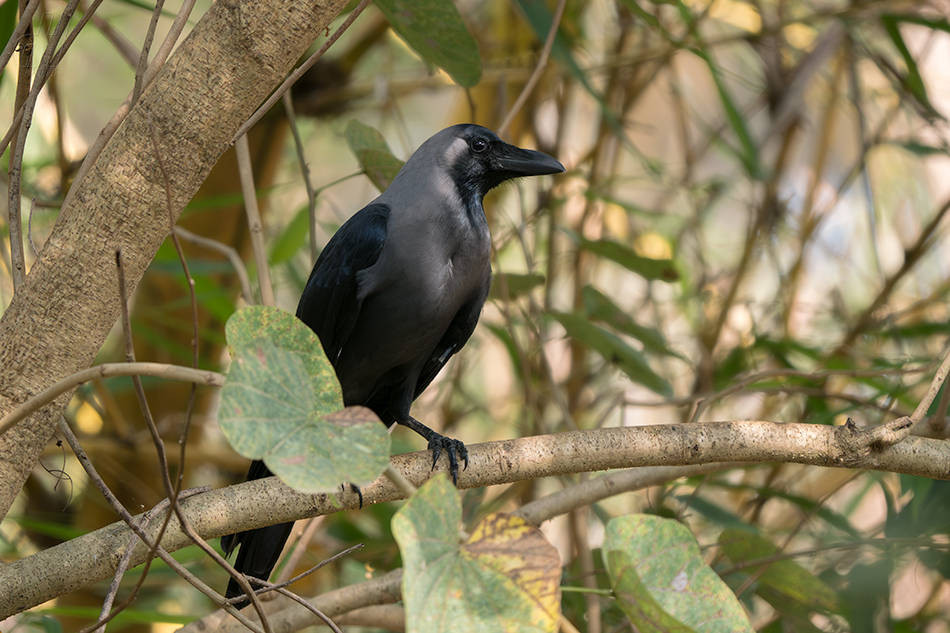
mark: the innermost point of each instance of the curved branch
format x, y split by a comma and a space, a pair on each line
109, 370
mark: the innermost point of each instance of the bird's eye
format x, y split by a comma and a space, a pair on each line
479, 145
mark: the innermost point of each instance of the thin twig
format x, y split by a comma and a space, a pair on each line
172, 494
127, 52
23, 89
170, 490
577, 522
26, 20
912, 255
109, 370
939, 378
754, 576
189, 411
297, 74
44, 69
308, 527
538, 69
146, 46
174, 32
29, 228
228, 251
153, 544
254, 224
305, 172
106, 614
306, 605
272, 586
706, 400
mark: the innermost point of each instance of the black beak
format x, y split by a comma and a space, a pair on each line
515, 162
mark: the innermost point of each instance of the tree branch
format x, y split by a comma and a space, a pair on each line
45, 575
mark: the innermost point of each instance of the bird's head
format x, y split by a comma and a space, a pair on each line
476, 160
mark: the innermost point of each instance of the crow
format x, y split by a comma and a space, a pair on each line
398, 290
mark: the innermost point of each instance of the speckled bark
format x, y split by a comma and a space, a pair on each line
86, 559
237, 54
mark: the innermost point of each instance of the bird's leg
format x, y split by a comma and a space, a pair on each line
437, 442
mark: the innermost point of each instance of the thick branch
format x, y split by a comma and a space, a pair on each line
81, 561
59, 318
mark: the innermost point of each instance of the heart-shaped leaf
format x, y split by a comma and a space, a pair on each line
504, 577
282, 403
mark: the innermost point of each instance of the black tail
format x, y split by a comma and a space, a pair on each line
259, 548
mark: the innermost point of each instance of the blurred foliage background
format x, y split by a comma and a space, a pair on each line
751, 227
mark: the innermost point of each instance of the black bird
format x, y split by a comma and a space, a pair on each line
398, 290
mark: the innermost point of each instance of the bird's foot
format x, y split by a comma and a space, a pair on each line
354, 488
453, 448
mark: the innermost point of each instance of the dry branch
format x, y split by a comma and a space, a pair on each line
255, 504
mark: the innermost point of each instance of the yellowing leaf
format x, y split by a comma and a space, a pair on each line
504, 577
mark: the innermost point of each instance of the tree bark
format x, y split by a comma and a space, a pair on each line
92, 557
59, 318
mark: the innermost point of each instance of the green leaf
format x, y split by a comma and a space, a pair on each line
641, 13
281, 403
503, 335
508, 286
782, 579
749, 155
373, 153
614, 350
292, 238
8, 12
540, 17
505, 576
807, 505
927, 513
600, 308
866, 592
922, 149
662, 582
913, 81
712, 512
646, 267
435, 30
92, 614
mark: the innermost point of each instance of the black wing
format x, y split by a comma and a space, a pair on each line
329, 304
460, 330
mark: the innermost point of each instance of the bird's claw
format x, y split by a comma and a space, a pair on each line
453, 449
355, 489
